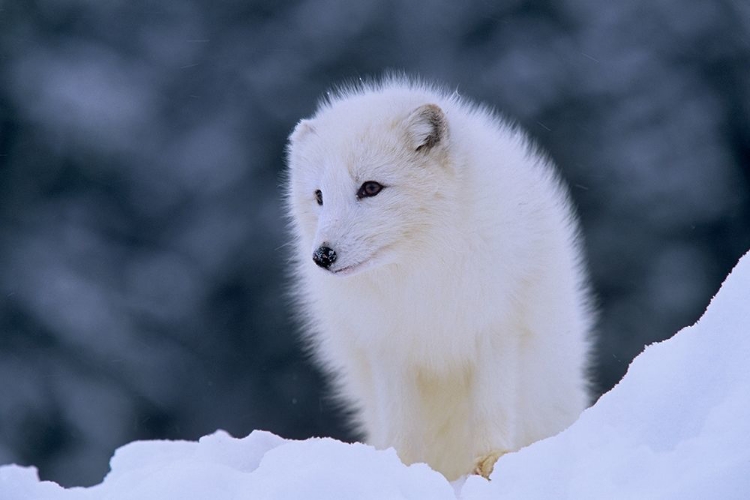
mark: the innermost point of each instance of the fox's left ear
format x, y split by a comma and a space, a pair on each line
303, 128
427, 127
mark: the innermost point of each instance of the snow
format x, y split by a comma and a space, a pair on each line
676, 427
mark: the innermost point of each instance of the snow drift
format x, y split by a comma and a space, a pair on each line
677, 426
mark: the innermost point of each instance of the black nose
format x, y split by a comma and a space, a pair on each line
324, 256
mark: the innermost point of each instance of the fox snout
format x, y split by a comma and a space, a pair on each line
324, 256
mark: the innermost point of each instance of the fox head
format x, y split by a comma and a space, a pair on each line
366, 175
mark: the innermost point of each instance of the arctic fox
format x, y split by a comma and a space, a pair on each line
438, 267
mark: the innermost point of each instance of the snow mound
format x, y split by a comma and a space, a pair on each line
676, 427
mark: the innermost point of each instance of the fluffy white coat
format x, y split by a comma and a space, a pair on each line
455, 318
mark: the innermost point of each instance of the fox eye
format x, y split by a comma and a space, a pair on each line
319, 196
369, 189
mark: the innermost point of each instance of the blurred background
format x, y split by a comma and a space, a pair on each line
142, 285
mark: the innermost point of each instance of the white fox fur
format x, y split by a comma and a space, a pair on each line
454, 319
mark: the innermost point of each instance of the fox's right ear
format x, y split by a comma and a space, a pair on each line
303, 128
427, 127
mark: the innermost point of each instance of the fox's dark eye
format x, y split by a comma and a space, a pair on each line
369, 189
319, 196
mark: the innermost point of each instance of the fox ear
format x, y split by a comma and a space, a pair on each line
303, 128
427, 127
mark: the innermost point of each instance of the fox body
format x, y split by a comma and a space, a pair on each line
437, 267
